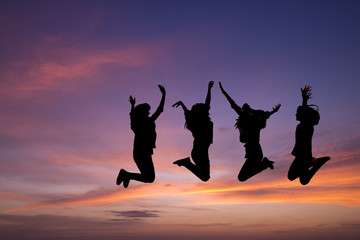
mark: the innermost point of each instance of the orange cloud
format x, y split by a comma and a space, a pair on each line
218, 193
99, 197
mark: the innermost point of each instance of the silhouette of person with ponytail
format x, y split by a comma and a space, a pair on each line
143, 127
197, 120
305, 165
249, 124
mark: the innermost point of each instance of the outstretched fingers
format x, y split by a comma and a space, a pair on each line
277, 107
177, 104
306, 89
132, 100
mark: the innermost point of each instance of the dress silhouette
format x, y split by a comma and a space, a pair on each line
305, 165
199, 123
143, 127
249, 124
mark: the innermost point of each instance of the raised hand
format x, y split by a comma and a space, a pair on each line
276, 108
221, 87
211, 84
306, 92
177, 104
162, 89
307, 88
132, 100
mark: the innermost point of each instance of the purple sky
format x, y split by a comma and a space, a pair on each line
67, 69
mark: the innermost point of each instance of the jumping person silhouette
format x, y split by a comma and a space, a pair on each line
201, 127
305, 165
143, 127
249, 123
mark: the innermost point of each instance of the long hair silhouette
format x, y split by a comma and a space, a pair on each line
143, 127
305, 165
198, 122
249, 123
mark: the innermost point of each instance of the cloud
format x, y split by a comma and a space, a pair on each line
290, 221
324, 189
64, 227
99, 196
136, 214
351, 225
52, 68
29, 79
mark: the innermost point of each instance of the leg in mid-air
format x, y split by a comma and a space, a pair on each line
297, 168
146, 175
201, 168
251, 168
255, 163
317, 164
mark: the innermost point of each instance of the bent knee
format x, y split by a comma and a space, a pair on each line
242, 177
205, 178
304, 181
149, 178
292, 177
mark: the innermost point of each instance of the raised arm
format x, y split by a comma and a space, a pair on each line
160, 108
306, 94
231, 101
208, 95
180, 103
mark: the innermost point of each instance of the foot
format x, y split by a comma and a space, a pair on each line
120, 177
126, 181
270, 164
321, 160
181, 162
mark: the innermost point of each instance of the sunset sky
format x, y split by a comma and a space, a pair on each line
67, 69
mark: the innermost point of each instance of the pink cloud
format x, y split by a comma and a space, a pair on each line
65, 70
330, 188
